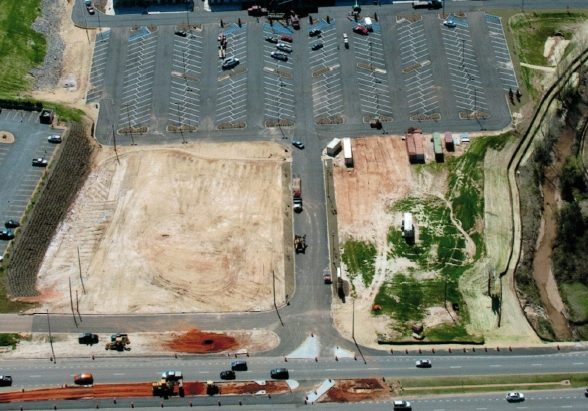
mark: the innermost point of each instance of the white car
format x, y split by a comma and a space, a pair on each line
515, 397
402, 405
230, 62
449, 23
424, 364
54, 139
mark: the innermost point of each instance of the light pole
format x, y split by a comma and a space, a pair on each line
180, 124
130, 127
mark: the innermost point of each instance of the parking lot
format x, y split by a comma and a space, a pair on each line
463, 68
232, 84
501, 53
98, 65
325, 70
373, 88
416, 69
423, 62
186, 69
18, 178
138, 78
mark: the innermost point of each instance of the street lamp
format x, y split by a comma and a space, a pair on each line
180, 124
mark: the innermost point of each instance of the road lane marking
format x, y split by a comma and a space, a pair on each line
204, 372
536, 364
455, 366
35, 376
119, 373
578, 363
566, 406
495, 366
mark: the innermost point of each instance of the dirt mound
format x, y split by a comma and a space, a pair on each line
356, 390
198, 342
75, 393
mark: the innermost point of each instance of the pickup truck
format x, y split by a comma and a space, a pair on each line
5, 381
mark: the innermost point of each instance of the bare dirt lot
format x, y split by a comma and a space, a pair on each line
197, 228
190, 342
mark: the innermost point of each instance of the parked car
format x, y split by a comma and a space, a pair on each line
360, 30
272, 39
314, 32
84, 379
298, 143
284, 47
230, 62
316, 46
227, 375
345, 40
54, 138
515, 397
449, 23
5, 380
424, 364
6, 234
279, 56
87, 338
180, 33
280, 374
40, 162
90, 9
286, 38
11, 224
239, 365
402, 405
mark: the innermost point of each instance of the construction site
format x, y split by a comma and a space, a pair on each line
161, 229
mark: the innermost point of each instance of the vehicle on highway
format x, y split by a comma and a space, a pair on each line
286, 38
180, 33
239, 365
84, 379
280, 374
586, 392
11, 224
230, 62
314, 32
40, 162
54, 138
90, 9
279, 56
515, 397
449, 23
360, 30
271, 39
6, 234
227, 375
402, 405
298, 143
284, 47
424, 364
172, 375
5, 380
87, 338
316, 46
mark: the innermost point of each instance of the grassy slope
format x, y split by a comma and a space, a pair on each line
20, 46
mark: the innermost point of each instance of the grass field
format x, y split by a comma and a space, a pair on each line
359, 257
20, 46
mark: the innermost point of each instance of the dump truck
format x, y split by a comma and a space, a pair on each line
257, 11
427, 4
297, 194
300, 244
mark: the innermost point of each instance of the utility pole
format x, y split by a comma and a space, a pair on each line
86, 27
71, 303
80, 266
353, 321
114, 140
78, 306
475, 100
130, 127
51, 338
180, 124
100, 26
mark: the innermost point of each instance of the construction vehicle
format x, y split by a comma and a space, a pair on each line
257, 11
118, 342
296, 194
327, 276
300, 243
165, 386
212, 388
427, 4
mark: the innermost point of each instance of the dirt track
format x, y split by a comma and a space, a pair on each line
193, 229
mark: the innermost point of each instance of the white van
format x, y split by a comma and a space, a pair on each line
368, 24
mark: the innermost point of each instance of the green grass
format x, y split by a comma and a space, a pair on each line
21, 48
576, 298
532, 30
451, 332
9, 340
359, 257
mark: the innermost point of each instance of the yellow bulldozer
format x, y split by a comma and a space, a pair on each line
118, 342
165, 386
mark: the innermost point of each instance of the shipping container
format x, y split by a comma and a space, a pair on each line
449, 141
420, 151
347, 153
333, 147
437, 147
410, 147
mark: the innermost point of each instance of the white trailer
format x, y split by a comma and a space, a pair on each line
347, 153
333, 147
407, 226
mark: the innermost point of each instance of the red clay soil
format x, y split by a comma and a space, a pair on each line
138, 390
356, 390
199, 342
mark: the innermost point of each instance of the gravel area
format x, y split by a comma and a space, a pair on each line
47, 75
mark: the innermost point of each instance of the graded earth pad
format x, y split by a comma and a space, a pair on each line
196, 228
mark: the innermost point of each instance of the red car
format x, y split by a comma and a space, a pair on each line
360, 30
286, 38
